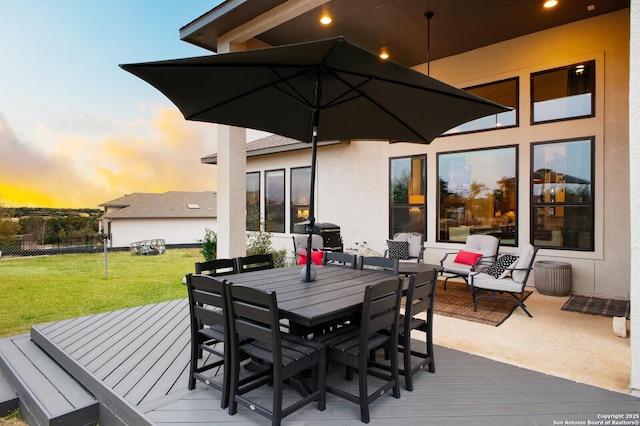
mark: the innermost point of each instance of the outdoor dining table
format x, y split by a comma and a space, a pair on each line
334, 294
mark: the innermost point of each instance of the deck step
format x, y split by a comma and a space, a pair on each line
47, 394
9, 401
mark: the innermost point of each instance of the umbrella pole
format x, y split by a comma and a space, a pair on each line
311, 220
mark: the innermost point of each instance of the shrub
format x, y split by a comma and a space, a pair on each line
209, 245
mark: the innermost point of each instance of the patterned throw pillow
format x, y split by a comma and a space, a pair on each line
500, 269
398, 249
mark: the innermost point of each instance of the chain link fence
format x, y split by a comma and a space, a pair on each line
26, 245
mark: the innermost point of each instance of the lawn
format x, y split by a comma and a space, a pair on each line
43, 289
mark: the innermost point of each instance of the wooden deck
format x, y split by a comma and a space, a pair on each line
135, 363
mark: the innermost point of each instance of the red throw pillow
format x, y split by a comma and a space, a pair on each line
467, 257
316, 257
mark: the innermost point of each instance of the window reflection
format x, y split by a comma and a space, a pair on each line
253, 201
503, 92
478, 194
300, 187
562, 194
563, 93
274, 200
407, 194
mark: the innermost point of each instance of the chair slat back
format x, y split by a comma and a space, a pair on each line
420, 294
206, 300
254, 314
380, 307
217, 267
255, 262
385, 264
339, 259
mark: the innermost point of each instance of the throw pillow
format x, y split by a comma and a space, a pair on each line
398, 249
415, 244
316, 257
467, 257
525, 257
500, 269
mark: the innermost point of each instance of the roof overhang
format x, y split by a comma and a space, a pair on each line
399, 26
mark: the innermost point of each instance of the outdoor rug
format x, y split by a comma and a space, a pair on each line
597, 306
456, 302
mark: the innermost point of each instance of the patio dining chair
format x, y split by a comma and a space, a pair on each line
477, 250
217, 267
340, 259
209, 327
254, 314
382, 264
255, 262
418, 315
351, 345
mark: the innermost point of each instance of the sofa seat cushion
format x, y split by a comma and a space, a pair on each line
485, 281
456, 268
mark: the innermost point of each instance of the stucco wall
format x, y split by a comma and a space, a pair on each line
352, 186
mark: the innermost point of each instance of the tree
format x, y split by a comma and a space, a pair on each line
9, 227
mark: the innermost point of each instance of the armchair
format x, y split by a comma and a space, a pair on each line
477, 250
503, 281
406, 246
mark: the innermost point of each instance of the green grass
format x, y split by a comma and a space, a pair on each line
49, 288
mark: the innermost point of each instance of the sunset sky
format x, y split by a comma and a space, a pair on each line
75, 129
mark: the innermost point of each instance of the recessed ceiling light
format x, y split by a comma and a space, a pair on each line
384, 54
550, 3
325, 20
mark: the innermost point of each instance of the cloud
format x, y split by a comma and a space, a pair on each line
79, 166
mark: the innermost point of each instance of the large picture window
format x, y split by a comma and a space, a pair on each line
478, 194
300, 184
274, 200
504, 92
562, 194
253, 201
563, 93
407, 194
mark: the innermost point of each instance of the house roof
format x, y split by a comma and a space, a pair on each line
271, 145
398, 26
171, 204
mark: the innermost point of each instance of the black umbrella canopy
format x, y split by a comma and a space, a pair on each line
274, 89
323, 90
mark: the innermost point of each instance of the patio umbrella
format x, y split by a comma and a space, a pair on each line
323, 90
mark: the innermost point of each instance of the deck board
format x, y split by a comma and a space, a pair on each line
141, 355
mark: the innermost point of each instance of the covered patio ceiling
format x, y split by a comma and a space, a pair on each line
400, 26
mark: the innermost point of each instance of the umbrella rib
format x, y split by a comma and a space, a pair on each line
374, 102
299, 98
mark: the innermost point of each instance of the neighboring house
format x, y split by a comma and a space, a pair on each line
175, 216
554, 172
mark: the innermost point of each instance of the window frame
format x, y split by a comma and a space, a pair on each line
267, 216
420, 204
539, 204
592, 63
293, 220
259, 199
488, 129
512, 224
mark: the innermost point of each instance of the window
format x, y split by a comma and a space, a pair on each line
300, 187
563, 93
503, 92
407, 194
274, 200
562, 194
253, 201
478, 194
